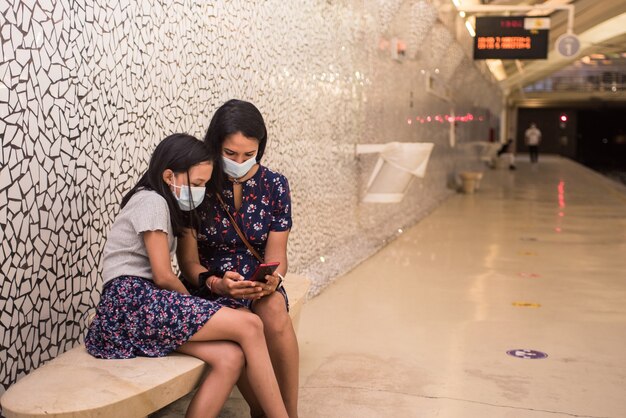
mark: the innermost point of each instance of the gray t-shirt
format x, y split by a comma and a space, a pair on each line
125, 251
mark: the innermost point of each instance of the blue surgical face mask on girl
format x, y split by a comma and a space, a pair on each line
237, 170
188, 196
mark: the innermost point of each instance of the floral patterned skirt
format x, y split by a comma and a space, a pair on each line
136, 318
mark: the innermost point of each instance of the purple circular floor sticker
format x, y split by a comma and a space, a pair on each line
527, 354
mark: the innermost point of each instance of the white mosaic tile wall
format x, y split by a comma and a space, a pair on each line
88, 87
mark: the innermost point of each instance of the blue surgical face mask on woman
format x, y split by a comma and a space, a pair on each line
184, 200
237, 170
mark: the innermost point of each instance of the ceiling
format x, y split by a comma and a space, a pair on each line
601, 28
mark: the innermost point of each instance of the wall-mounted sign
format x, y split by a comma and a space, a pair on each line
567, 45
511, 37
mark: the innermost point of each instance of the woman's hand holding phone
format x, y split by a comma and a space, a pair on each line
263, 270
269, 287
266, 275
234, 286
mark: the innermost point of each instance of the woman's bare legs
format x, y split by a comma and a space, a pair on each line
246, 329
226, 360
283, 348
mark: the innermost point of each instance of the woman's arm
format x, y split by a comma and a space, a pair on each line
276, 250
160, 261
280, 225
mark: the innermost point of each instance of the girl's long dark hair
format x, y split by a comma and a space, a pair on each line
178, 152
232, 117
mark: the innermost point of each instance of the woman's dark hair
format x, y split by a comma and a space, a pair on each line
178, 152
232, 117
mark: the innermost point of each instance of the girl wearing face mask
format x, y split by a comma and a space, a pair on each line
257, 199
144, 308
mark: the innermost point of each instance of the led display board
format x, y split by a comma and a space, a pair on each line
511, 37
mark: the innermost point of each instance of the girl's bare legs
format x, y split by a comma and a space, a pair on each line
226, 361
283, 348
246, 329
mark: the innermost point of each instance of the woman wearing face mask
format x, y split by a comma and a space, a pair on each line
256, 200
145, 310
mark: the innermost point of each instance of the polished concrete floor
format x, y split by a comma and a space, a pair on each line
534, 262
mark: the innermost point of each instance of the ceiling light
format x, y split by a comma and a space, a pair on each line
470, 28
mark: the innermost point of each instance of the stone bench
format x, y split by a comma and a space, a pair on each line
75, 384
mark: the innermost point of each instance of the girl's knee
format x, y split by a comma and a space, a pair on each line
233, 354
230, 358
251, 324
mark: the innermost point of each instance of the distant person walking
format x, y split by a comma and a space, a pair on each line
532, 138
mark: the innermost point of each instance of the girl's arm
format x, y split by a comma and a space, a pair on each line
160, 262
232, 284
187, 256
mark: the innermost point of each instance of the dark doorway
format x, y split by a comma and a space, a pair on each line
557, 126
595, 137
602, 138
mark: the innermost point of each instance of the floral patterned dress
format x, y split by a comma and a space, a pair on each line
265, 207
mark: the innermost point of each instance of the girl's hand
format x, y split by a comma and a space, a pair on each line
233, 285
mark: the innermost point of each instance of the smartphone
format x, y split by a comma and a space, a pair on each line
263, 270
